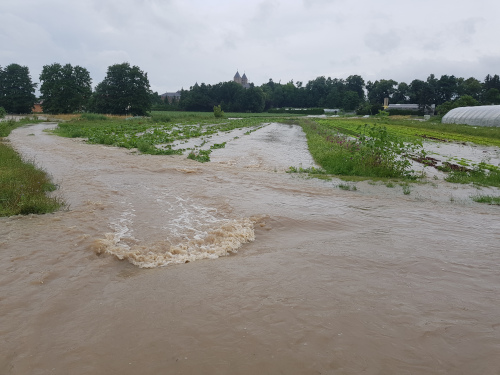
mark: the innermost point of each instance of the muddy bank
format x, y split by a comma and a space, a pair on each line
367, 281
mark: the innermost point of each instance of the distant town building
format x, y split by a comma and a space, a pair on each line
243, 81
37, 107
171, 96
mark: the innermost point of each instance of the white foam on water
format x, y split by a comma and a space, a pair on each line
226, 237
190, 232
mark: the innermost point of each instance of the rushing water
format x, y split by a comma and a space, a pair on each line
319, 280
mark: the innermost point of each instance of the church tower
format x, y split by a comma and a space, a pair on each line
237, 77
244, 80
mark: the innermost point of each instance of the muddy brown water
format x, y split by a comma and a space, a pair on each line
317, 281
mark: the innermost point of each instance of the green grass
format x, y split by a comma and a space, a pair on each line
411, 129
488, 199
23, 187
6, 126
347, 187
368, 151
479, 176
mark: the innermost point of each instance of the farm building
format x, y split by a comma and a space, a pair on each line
411, 108
485, 115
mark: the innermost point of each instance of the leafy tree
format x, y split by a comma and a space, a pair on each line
447, 89
464, 101
491, 82
402, 94
65, 89
254, 99
350, 101
317, 91
421, 93
378, 90
17, 92
471, 86
492, 96
357, 84
124, 90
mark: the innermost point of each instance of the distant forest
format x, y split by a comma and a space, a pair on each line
350, 94
126, 90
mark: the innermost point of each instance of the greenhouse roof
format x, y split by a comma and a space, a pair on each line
486, 115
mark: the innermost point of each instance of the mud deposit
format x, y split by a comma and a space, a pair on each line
235, 267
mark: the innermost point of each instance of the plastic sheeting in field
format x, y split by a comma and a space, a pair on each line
486, 115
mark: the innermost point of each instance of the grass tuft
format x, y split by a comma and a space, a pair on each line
488, 199
23, 187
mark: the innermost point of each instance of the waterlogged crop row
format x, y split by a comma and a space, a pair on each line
410, 130
146, 134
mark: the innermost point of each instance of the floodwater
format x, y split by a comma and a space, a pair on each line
317, 280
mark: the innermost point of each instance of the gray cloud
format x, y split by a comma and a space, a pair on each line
181, 42
382, 42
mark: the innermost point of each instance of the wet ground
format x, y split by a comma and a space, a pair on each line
316, 279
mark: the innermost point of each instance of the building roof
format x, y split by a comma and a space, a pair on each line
237, 75
244, 75
484, 115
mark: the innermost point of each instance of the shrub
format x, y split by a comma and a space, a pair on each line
3, 112
218, 112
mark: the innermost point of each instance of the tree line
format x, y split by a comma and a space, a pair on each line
126, 90
350, 94
68, 89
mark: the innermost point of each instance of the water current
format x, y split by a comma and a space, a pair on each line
163, 265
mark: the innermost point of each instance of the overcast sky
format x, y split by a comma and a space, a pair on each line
180, 42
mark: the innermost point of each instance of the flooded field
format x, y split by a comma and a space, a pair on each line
134, 278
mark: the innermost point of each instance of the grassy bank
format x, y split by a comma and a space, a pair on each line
352, 148
382, 147
23, 187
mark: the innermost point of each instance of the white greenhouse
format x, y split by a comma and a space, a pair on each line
485, 115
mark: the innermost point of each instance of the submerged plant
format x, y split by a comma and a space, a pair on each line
488, 199
202, 156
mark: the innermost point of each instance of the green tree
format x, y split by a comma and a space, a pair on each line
357, 84
421, 93
464, 101
350, 101
447, 89
401, 95
17, 92
124, 90
65, 89
254, 99
378, 90
470, 86
492, 96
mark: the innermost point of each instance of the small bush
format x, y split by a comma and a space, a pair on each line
218, 112
3, 112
